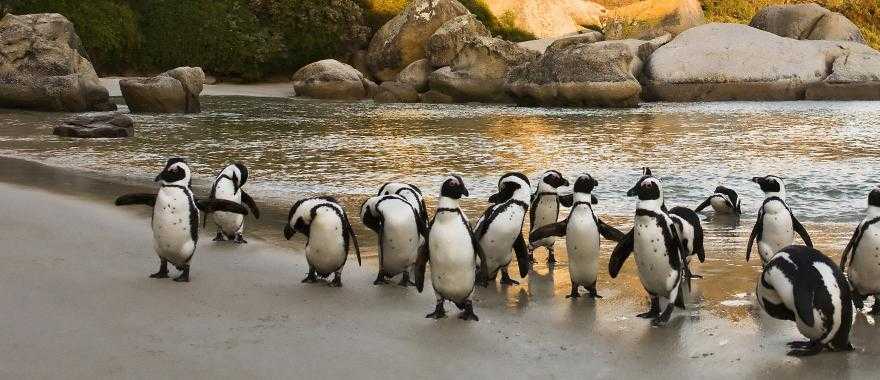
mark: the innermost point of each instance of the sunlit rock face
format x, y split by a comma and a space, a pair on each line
42, 66
651, 18
548, 18
806, 22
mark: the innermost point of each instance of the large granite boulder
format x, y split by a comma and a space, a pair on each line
402, 40
94, 126
174, 91
652, 18
331, 79
416, 75
854, 76
478, 71
738, 62
396, 92
42, 66
585, 36
806, 22
444, 44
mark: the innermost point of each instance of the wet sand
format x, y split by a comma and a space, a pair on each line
78, 304
263, 90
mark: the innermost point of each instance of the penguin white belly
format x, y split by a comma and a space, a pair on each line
172, 238
497, 242
686, 233
864, 269
582, 243
652, 259
230, 223
546, 212
778, 231
452, 259
720, 205
325, 250
400, 243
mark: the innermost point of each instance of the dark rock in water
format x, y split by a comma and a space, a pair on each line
396, 92
42, 66
174, 91
436, 97
806, 22
95, 126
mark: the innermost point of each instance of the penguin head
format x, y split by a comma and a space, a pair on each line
242, 173
874, 197
453, 187
509, 185
176, 172
585, 184
647, 188
552, 179
770, 184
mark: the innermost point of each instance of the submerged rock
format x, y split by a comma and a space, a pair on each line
42, 66
806, 22
96, 126
174, 91
331, 79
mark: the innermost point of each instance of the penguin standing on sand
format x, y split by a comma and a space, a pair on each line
411, 193
544, 210
690, 232
581, 229
401, 234
499, 230
452, 251
324, 222
724, 201
801, 284
175, 219
658, 251
228, 186
776, 225
861, 257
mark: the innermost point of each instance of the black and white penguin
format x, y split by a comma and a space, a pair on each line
175, 220
544, 210
801, 284
411, 193
690, 231
658, 251
500, 229
861, 257
581, 229
724, 201
776, 225
401, 234
324, 222
452, 251
229, 186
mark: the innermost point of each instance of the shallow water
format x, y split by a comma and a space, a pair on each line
826, 151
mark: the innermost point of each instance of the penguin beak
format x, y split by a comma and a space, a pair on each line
756, 179
464, 191
633, 192
288, 231
565, 182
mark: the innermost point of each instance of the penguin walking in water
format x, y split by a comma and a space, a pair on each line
690, 232
544, 210
229, 186
723, 201
861, 257
582, 230
175, 220
801, 284
401, 235
499, 230
659, 253
411, 193
324, 223
452, 251
776, 225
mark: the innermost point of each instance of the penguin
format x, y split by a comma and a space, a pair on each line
401, 234
582, 230
175, 219
411, 193
658, 251
544, 210
324, 223
776, 225
861, 257
500, 229
452, 251
228, 185
690, 232
801, 284
724, 201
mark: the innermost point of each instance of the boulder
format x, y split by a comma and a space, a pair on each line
193, 80
806, 22
402, 39
652, 18
584, 37
444, 44
738, 62
396, 92
174, 91
854, 76
416, 75
547, 18
42, 66
478, 71
436, 97
91, 126
331, 79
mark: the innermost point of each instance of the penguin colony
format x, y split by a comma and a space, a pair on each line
798, 283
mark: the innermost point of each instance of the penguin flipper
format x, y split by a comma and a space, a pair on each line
705, 204
136, 199
850, 248
350, 232
246, 198
593, 199
756, 230
214, 205
609, 232
621, 252
803, 296
693, 219
522, 255
566, 200
420, 267
799, 228
552, 229
475, 243
372, 222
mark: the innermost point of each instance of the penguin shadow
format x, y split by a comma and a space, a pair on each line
542, 282
581, 312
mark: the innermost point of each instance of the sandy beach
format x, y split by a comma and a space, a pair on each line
76, 295
264, 90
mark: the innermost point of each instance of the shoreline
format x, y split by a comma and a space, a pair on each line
260, 90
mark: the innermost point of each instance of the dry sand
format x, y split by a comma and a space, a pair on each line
263, 90
77, 303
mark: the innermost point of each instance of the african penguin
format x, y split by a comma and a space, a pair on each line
544, 210
776, 225
690, 232
658, 251
724, 201
228, 185
861, 257
581, 229
324, 223
500, 229
175, 219
801, 284
411, 193
401, 234
452, 251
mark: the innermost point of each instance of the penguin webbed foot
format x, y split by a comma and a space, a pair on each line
506, 280
163, 270
663, 318
219, 236
800, 344
405, 281
591, 291
310, 278
337, 281
649, 314
239, 239
468, 311
184, 275
380, 280
439, 312
802, 349
574, 292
